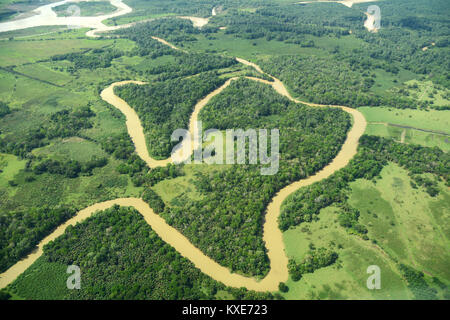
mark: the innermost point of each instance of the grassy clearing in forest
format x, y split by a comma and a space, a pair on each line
426, 91
346, 279
408, 225
20, 52
423, 119
174, 190
412, 136
244, 48
9, 166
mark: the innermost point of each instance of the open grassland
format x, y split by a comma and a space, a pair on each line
388, 122
73, 148
44, 71
247, 49
346, 279
20, 52
21, 92
412, 136
432, 120
175, 191
385, 80
426, 91
33, 32
9, 166
407, 223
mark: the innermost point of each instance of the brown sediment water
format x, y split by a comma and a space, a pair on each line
368, 23
272, 235
45, 16
166, 43
196, 21
347, 3
134, 126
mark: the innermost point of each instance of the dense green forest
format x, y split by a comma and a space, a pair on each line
166, 106
21, 231
398, 43
407, 27
172, 30
122, 148
289, 22
69, 168
231, 209
198, 8
324, 81
189, 64
121, 257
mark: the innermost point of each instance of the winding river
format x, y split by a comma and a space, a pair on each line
347, 3
272, 235
45, 16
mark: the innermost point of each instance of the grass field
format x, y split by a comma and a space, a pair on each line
438, 122
9, 166
174, 190
410, 226
45, 72
429, 120
385, 80
32, 102
20, 52
31, 32
346, 279
412, 136
426, 91
243, 48
71, 148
